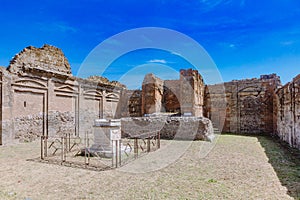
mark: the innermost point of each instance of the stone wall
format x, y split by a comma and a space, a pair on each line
152, 94
183, 128
47, 58
192, 92
41, 97
171, 97
287, 105
130, 104
244, 106
183, 96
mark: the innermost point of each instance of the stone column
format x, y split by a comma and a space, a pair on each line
152, 94
191, 93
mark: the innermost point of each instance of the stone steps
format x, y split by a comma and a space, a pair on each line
216, 129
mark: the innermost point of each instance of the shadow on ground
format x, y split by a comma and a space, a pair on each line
285, 161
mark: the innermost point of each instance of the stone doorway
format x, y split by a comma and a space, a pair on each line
250, 115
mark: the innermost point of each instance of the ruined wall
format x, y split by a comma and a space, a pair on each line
152, 94
171, 96
41, 97
191, 92
244, 106
184, 128
130, 104
287, 105
183, 96
47, 58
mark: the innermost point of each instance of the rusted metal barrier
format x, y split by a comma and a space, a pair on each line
146, 139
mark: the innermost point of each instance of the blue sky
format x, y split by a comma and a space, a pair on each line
245, 38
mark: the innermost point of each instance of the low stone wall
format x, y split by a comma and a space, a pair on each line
29, 128
184, 128
60, 123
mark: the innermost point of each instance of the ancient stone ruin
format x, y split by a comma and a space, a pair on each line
40, 96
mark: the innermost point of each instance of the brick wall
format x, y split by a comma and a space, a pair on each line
244, 106
41, 97
287, 105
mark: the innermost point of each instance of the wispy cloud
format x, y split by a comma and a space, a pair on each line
211, 4
228, 45
287, 43
157, 61
57, 27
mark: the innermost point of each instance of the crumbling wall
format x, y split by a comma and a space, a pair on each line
130, 104
152, 94
183, 128
41, 97
171, 96
191, 92
47, 58
244, 106
288, 112
184, 96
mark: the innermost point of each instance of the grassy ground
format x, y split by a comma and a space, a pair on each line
286, 163
237, 167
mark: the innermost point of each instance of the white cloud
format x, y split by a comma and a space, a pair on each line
56, 26
158, 61
287, 43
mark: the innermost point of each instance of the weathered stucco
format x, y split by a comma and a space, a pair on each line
287, 105
41, 97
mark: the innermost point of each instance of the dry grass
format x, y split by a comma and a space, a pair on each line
236, 168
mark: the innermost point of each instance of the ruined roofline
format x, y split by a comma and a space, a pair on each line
262, 78
151, 78
47, 58
297, 77
50, 61
99, 83
288, 83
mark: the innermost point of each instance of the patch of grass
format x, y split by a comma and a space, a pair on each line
212, 181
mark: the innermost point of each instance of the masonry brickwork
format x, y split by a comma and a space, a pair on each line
40, 96
182, 96
287, 112
244, 106
182, 128
152, 94
191, 92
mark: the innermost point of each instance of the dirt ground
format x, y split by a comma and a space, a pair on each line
237, 167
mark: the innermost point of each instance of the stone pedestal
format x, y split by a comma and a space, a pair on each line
105, 132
